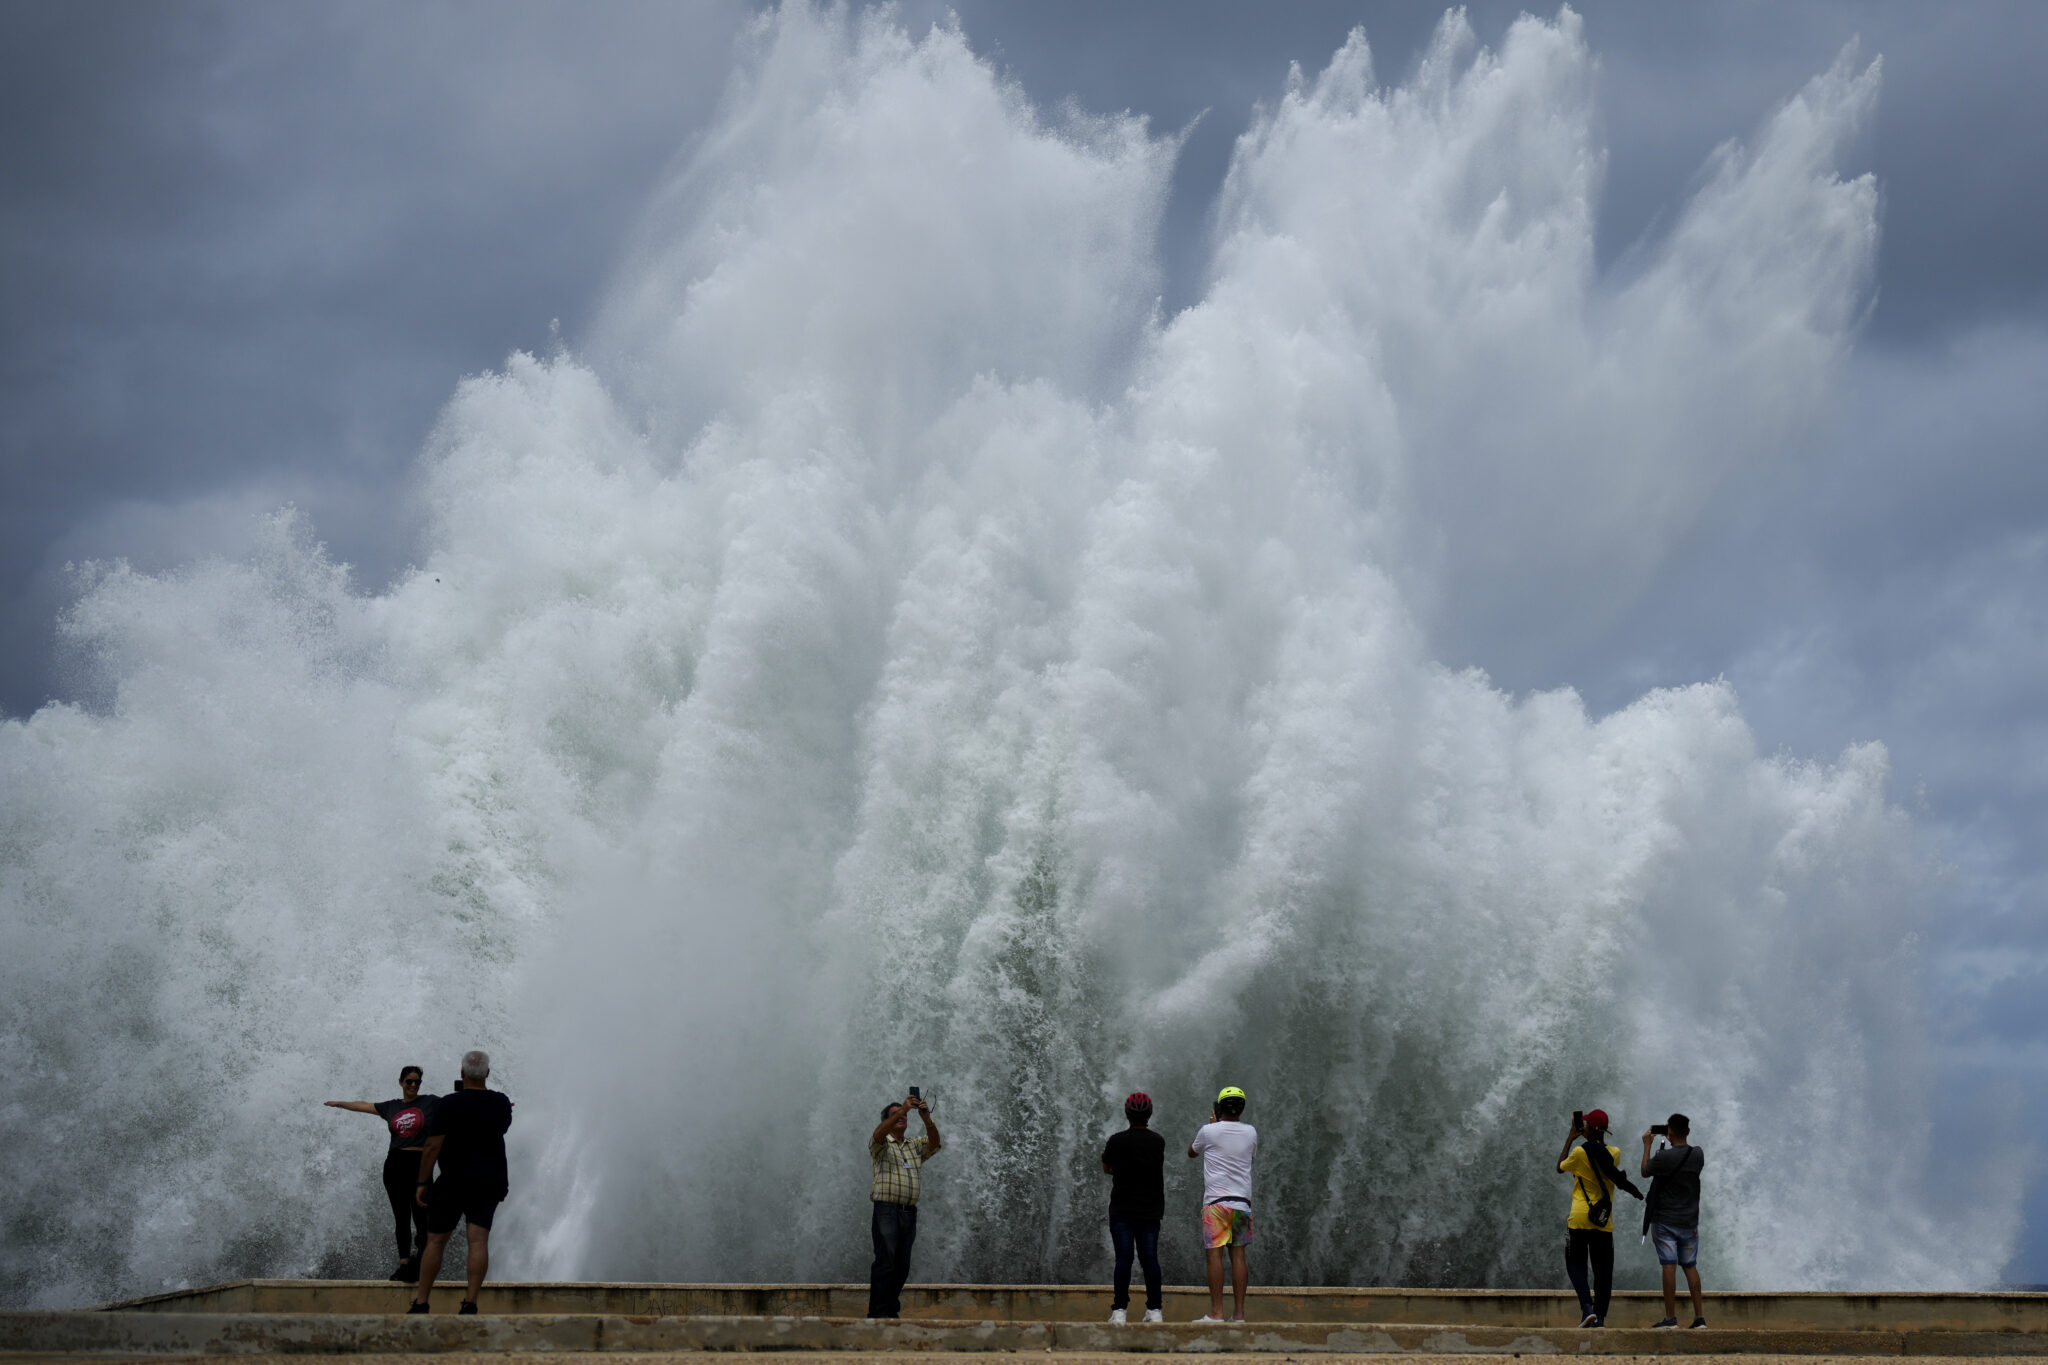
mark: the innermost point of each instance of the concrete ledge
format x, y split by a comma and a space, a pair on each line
240, 1334
1518, 1309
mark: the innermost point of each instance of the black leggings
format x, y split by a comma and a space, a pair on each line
1581, 1246
401, 1175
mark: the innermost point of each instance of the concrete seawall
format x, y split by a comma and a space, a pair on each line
941, 1303
278, 1318
244, 1334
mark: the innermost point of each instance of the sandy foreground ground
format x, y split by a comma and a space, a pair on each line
957, 1358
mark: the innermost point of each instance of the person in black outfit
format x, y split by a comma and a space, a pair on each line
1135, 1159
467, 1137
407, 1118
1671, 1216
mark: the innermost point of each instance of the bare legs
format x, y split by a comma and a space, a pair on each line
1240, 1274
1692, 1282
430, 1265
437, 1245
480, 1258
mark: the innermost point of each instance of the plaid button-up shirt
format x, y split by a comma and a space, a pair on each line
897, 1166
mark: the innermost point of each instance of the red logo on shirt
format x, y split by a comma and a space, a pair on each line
409, 1123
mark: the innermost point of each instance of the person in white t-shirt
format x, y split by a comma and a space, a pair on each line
1226, 1145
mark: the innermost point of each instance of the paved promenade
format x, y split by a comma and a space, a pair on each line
935, 1358
1515, 1308
364, 1320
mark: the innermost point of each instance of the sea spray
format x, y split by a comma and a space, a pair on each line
888, 653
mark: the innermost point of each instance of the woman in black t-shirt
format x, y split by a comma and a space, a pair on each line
406, 1117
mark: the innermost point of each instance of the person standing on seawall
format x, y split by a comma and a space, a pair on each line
1135, 1159
898, 1168
1227, 1146
1671, 1215
1589, 1232
406, 1117
467, 1137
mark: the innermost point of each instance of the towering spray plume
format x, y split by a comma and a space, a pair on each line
891, 654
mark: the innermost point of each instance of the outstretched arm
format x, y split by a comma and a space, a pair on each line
931, 1130
1647, 1138
357, 1106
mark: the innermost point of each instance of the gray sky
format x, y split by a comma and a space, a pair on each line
247, 250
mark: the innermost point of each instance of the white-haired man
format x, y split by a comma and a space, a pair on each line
467, 1136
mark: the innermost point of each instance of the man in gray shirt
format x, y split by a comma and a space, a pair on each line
1671, 1215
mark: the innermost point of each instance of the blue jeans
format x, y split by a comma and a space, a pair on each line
894, 1227
1125, 1236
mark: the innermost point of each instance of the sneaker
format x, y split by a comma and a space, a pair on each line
1116, 1315
1665, 1322
418, 1307
408, 1272
1590, 1320
1154, 1315
1206, 1318
1699, 1322
468, 1309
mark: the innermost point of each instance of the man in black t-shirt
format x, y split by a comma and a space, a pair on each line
467, 1136
1135, 1159
1671, 1216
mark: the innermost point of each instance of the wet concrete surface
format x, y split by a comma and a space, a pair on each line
442, 1335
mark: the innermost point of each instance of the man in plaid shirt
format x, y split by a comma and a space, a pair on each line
897, 1166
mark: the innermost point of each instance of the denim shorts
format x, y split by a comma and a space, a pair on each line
1676, 1246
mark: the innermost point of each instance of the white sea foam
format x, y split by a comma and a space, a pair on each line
891, 654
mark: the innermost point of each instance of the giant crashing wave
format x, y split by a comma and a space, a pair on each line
890, 652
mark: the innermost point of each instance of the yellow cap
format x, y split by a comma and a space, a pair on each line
1229, 1092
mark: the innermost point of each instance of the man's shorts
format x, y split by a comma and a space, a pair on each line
1225, 1225
1675, 1246
451, 1201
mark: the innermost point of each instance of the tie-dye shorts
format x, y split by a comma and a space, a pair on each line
1226, 1225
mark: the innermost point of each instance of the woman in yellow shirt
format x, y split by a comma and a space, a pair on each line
1595, 1169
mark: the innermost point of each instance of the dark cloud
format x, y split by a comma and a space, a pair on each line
249, 249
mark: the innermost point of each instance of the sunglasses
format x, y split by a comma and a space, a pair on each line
410, 1080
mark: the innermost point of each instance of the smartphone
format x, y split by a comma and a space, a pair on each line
1660, 1130
1578, 1118
913, 1093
